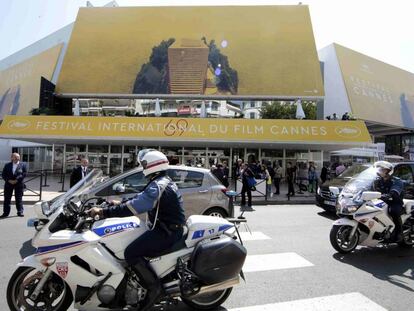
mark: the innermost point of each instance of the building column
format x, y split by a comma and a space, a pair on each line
122, 159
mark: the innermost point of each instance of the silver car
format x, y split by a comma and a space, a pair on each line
202, 193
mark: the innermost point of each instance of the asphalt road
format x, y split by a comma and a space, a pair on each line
298, 269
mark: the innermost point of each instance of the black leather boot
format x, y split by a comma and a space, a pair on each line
151, 283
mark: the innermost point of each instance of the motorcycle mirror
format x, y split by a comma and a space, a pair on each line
119, 188
370, 195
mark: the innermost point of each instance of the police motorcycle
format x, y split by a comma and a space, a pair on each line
364, 218
80, 260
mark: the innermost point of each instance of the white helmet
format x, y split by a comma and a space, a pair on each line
152, 161
385, 165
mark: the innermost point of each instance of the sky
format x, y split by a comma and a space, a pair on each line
382, 29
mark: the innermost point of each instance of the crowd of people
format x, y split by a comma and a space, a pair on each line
346, 116
300, 177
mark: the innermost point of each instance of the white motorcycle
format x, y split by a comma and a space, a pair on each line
80, 260
365, 221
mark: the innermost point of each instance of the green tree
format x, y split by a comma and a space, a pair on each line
228, 79
152, 78
279, 110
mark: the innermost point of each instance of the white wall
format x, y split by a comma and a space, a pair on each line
60, 36
336, 98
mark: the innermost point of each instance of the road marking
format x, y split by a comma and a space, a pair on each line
254, 236
255, 263
345, 302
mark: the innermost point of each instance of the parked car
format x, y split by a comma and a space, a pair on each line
327, 200
202, 193
324, 197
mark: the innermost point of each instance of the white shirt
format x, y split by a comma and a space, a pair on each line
15, 166
84, 169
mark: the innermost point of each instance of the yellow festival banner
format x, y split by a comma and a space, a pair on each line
377, 91
184, 129
20, 84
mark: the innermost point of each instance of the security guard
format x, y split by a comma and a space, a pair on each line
164, 205
392, 193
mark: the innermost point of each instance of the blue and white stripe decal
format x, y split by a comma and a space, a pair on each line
198, 234
367, 213
52, 248
115, 228
225, 227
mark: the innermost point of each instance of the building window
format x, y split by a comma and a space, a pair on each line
252, 104
252, 115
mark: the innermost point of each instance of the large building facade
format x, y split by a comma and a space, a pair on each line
192, 87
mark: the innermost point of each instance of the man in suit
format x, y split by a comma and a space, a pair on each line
79, 172
13, 175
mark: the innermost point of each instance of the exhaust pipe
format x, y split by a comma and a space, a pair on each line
217, 286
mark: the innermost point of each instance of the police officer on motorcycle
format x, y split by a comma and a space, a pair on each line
392, 193
164, 205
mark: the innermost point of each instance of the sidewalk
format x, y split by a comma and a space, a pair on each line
51, 190
54, 187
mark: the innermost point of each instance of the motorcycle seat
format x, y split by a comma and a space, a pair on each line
180, 244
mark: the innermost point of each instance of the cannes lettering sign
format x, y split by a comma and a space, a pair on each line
187, 128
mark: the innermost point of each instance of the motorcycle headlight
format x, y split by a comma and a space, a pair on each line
346, 205
350, 209
45, 208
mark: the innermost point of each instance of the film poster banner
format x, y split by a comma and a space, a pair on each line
204, 50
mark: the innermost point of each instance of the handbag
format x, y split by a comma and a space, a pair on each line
251, 181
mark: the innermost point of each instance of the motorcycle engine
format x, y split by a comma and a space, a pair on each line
134, 292
106, 294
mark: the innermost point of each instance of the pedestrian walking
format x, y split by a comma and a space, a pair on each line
324, 173
290, 177
226, 173
278, 177
266, 175
312, 178
246, 174
14, 174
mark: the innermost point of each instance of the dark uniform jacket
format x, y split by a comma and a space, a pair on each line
170, 210
77, 175
392, 190
19, 174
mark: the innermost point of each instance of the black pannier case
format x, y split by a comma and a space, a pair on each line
218, 260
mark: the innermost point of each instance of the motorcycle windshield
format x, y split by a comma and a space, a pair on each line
361, 182
92, 179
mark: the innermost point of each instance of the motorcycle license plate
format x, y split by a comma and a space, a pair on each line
329, 203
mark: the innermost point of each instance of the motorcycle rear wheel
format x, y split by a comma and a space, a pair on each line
339, 239
408, 240
56, 295
208, 301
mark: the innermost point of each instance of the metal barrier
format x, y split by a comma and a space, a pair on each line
28, 191
261, 189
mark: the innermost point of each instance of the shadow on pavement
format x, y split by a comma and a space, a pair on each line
328, 215
392, 264
183, 307
8, 217
27, 249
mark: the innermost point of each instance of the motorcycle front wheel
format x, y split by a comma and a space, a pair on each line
339, 237
208, 301
55, 296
